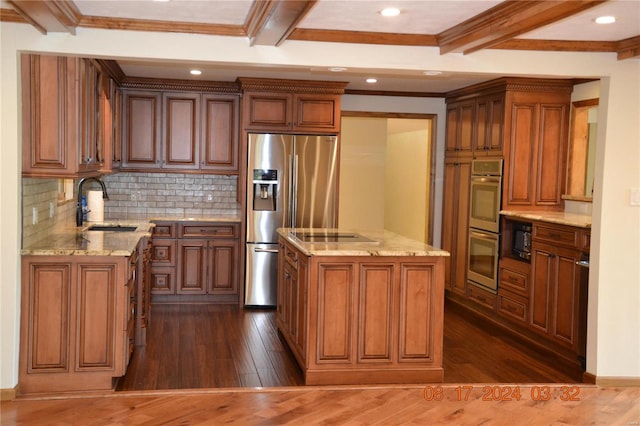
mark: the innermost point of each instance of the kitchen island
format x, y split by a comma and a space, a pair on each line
361, 307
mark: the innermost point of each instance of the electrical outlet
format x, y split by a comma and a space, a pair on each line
209, 197
34, 215
135, 195
52, 209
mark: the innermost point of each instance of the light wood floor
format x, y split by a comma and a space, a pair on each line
247, 376
381, 405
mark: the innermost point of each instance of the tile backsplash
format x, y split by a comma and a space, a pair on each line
145, 195
131, 196
41, 195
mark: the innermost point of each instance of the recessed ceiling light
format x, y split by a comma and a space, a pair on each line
605, 19
432, 72
390, 11
371, 80
195, 72
337, 69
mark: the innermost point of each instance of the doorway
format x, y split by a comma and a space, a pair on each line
387, 173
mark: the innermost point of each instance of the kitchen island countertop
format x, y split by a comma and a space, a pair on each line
80, 241
562, 218
385, 243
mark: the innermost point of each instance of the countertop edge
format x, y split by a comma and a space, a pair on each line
390, 246
560, 218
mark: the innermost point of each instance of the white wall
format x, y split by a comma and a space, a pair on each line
614, 308
406, 195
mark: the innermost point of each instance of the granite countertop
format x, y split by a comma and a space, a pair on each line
80, 241
385, 244
562, 218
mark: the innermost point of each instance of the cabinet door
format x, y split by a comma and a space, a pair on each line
300, 306
181, 121
96, 316
192, 266
46, 317
461, 122
489, 122
222, 267
520, 179
142, 118
111, 126
91, 140
318, 113
219, 135
543, 271
267, 111
566, 299
551, 155
455, 224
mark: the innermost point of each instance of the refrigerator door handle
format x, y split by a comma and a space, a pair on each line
294, 192
289, 219
259, 250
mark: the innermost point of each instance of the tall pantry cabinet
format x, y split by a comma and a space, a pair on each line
525, 122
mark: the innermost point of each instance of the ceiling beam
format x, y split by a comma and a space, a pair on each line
505, 21
49, 15
270, 22
629, 48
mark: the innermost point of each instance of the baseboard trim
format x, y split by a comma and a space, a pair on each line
612, 381
8, 394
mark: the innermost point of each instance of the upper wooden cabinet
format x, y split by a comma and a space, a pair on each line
291, 105
536, 154
61, 120
526, 121
474, 126
182, 131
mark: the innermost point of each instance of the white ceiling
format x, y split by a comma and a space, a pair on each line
417, 17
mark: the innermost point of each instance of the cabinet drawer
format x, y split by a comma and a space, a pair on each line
164, 230
556, 234
208, 231
512, 306
481, 296
291, 256
163, 253
514, 281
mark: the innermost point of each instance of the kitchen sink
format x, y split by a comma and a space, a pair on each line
332, 237
112, 228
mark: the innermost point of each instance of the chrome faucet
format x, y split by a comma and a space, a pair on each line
79, 212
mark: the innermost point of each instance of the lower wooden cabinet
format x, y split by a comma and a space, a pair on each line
195, 261
77, 322
362, 320
544, 299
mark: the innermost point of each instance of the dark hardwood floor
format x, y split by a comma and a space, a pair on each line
223, 346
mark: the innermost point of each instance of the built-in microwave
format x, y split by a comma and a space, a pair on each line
521, 244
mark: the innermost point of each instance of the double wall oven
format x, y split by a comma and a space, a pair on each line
484, 223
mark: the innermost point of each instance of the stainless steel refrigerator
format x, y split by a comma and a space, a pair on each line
291, 183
